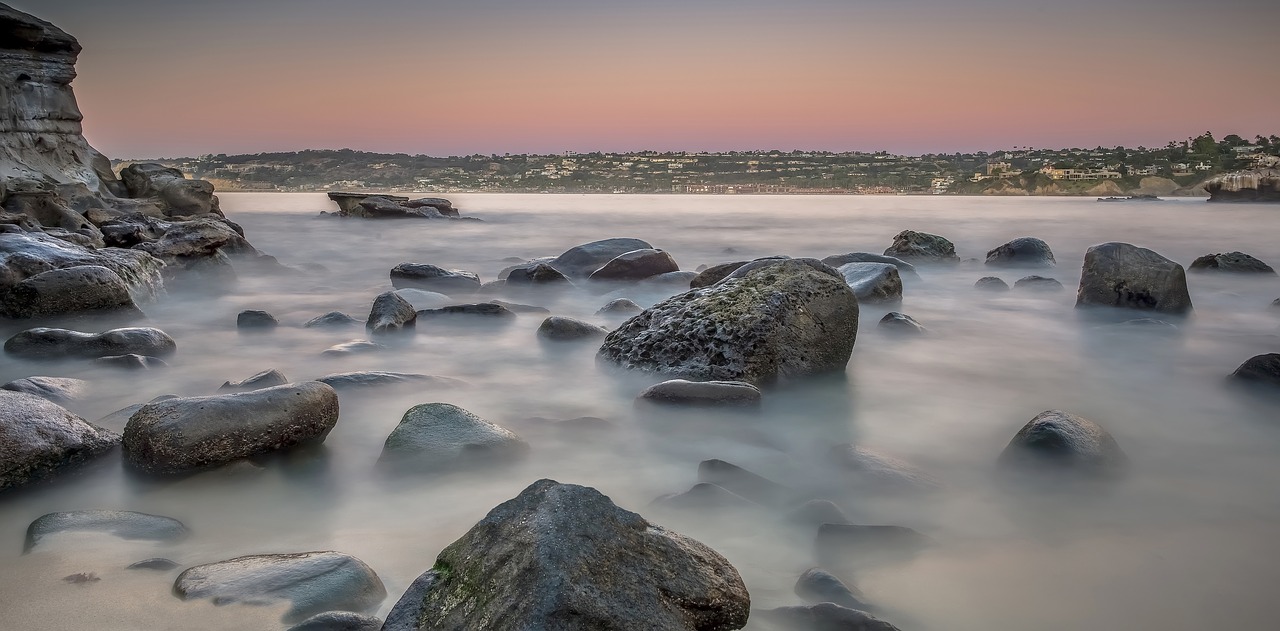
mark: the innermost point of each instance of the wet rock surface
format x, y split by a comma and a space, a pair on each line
1056, 440
701, 393
122, 524
581, 260
1022, 252
562, 329
1260, 369
1123, 275
390, 314
636, 265
901, 324
922, 247
39, 440
57, 389
1038, 283
873, 282
433, 278
1233, 262
439, 436
47, 343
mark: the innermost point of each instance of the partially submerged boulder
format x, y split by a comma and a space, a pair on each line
39, 439
175, 194
1058, 440
620, 307
1124, 275
70, 290
256, 319
376, 378
715, 274
434, 278
1022, 252
901, 324
47, 343
581, 260
438, 436
265, 379
991, 283
23, 255
536, 274
636, 265
904, 268
562, 329
1260, 369
873, 282
817, 585
1038, 283
922, 247
782, 318
701, 393
57, 389
390, 314
1233, 262
824, 617
562, 556
123, 524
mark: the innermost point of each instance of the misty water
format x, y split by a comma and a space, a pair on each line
1187, 540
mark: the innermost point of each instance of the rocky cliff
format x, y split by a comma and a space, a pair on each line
1260, 184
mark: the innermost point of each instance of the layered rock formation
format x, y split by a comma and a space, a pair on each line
1261, 184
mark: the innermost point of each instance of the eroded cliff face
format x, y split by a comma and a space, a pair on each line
40, 132
1260, 184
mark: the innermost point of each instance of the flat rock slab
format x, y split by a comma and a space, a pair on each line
40, 439
47, 343
312, 582
701, 393
123, 524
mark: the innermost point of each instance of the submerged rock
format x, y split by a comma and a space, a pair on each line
159, 564
46, 343
131, 361
481, 309
1235, 262
1055, 439
904, 268
422, 299
705, 496
39, 439
256, 319
562, 556
311, 582
70, 290
875, 471
817, 585
704, 393
1124, 275
901, 323
1038, 283
636, 265
579, 261
620, 306
375, 378
715, 274
56, 389
352, 347
123, 524
824, 617
264, 379
436, 436
390, 313
516, 307
1022, 252
873, 282
782, 318
818, 512
991, 283
338, 621
433, 278
752, 486
562, 329
189, 434
331, 319
536, 274
1263, 369
922, 247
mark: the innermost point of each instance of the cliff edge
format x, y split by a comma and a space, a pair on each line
1259, 184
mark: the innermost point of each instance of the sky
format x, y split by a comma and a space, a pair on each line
159, 78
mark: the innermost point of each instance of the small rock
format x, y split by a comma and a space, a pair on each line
255, 319
131, 361
352, 347
873, 282
57, 389
1038, 283
561, 329
537, 274
264, 379
433, 278
44, 343
1261, 369
331, 319
620, 306
1233, 262
390, 314
991, 283
1064, 441
868, 543
160, 564
81, 578
1022, 252
704, 393
338, 621
434, 436
817, 585
515, 307
124, 524
901, 323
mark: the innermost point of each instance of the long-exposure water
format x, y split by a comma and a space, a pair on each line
1186, 540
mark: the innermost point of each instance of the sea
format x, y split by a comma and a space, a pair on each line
1186, 540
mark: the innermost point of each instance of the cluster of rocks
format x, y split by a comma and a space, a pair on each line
381, 206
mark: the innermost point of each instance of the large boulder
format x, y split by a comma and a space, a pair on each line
437, 436
123, 524
311, 582
1124, 275
1235, 262
390, 313
23, 255
47, 343
780, 319
636, 265
1058, 440
176, 195
1261, 369
922, 247
433, 278
188, 434
1022, 252
70, 290
581, 260
873, 282
564, 557
39, 439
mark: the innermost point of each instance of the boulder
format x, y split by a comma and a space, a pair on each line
440, 204
817, 585
264, 379
256, 319
562, 329
1022, 252
390, 314
189, 434
432, 278
70, 290
178, 196
39, 439
537, 274
704, 496
824, 617
581, 260
783, 318
921, 247
901, 323
701, 393
123, 524
1234, 262
349, 203
480, 310
1058, 440
331, 319
1038, 283
714, 274
131, 361
873, 282
677, 280
375, 378
904, 268
620, 307
352, 347
183, 241
57, 389
991, 283
437, 436
381, 207
422, 299
46, 343
1261, 369
23, 255
562, 556
636, 265
311, 582
338, 621
1124, 275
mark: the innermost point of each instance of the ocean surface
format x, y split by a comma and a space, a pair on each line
1186, 541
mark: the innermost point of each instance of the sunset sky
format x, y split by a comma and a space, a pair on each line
163, 78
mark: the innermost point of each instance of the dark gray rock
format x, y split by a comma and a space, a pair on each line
901, 323
131, 361
678, 280
376, 378
714, 274
311, 582
442, 205
123, 524
1124, 275
437, 436
39, 439
481, 310
704, 496
784, 318
23, 255
390, 314
338, 621
636, 265
1038, 283
160, 564
991, 283
383, 208
537, 274
45, 343
351, 348
817, 585
264, 379
562, 329
621, 307
1022, 252
1262, 369
904, 268
57, 389
824, 617
515, 307
1061, 441
70, 290
701, 393
756, 488
331, 319
873, 282
188, 434
176, 195
922, 247
562, 556
818, 512
1234, 262
120, 417
433, 278
256, 319
579, 261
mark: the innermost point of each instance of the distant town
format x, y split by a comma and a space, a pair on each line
1178, 168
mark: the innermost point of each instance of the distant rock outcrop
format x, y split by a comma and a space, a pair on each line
381, 206
1260, 184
